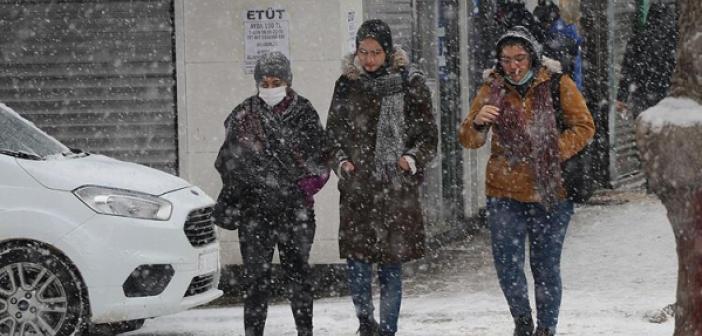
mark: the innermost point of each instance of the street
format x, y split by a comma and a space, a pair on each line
619, 273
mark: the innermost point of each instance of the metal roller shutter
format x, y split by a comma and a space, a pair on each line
97, 75
625, 161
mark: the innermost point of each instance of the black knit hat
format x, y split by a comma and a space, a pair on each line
273, 64
377, 30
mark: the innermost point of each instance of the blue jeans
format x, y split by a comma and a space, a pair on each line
390, 278
510, 223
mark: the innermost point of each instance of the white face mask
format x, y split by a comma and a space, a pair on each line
273, 96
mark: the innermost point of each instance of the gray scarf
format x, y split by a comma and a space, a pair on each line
391, 129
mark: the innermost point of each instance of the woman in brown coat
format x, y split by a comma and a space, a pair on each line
381, 135
526, 197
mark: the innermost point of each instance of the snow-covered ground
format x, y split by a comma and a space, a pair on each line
619, 273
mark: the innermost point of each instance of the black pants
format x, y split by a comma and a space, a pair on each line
291, 228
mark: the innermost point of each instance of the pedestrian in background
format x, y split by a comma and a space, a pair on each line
381, 136
271, 166
561, 40
525, 193
649, 61
512, 13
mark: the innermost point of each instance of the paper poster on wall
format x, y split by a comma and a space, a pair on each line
265, 30
352, 21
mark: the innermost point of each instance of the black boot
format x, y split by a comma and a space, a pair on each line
523, 326
544, 332
368, 327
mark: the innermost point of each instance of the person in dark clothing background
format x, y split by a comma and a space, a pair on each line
649, 61
541, 10
561, 40
271, 166
512, 13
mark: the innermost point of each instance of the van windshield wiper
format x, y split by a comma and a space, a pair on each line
20, 154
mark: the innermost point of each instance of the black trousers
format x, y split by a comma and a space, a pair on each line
291, 228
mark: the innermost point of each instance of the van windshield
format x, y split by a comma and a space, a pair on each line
21, 138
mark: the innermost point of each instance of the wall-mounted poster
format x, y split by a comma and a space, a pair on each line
352, 24
265, 29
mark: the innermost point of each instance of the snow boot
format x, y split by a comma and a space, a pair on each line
523, 326
368, 327
544, 332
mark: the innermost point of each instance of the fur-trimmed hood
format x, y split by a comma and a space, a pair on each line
551, 65
351, 66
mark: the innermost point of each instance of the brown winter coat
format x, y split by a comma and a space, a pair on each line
518, 181
368, 207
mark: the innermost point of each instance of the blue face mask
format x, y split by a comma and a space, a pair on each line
524, 79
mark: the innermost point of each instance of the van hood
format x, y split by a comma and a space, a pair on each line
99, 170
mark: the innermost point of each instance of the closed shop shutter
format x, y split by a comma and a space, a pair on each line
97, 75
626, 164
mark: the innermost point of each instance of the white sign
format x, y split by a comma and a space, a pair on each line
265, 30
352, 22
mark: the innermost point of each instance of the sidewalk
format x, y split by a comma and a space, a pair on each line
619, 271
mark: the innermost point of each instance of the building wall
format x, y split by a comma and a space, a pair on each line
210, 51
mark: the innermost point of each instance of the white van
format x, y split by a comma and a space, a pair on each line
86, 240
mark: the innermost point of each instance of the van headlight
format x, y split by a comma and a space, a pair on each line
126, 203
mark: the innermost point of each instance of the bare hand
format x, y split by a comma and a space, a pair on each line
348, 167
486, 115
404, 165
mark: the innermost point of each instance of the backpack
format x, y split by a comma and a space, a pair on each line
576, 172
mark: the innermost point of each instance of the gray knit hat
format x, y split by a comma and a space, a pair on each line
273, 64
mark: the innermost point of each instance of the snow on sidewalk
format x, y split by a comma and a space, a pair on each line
619, 269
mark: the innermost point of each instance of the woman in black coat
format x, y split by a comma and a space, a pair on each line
270, 164
381, 135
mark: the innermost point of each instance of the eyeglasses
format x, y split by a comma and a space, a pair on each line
519, 59
372, 53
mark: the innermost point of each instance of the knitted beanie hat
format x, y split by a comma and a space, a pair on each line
377, 30
273, 64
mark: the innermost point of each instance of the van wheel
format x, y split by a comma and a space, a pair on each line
40, 293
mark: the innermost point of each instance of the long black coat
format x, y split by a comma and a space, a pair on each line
369, 208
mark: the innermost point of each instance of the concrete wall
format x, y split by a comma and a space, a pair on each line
210, 50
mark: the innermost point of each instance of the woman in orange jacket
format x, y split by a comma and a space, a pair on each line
525, 193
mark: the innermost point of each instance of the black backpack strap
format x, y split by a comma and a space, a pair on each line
556, 99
